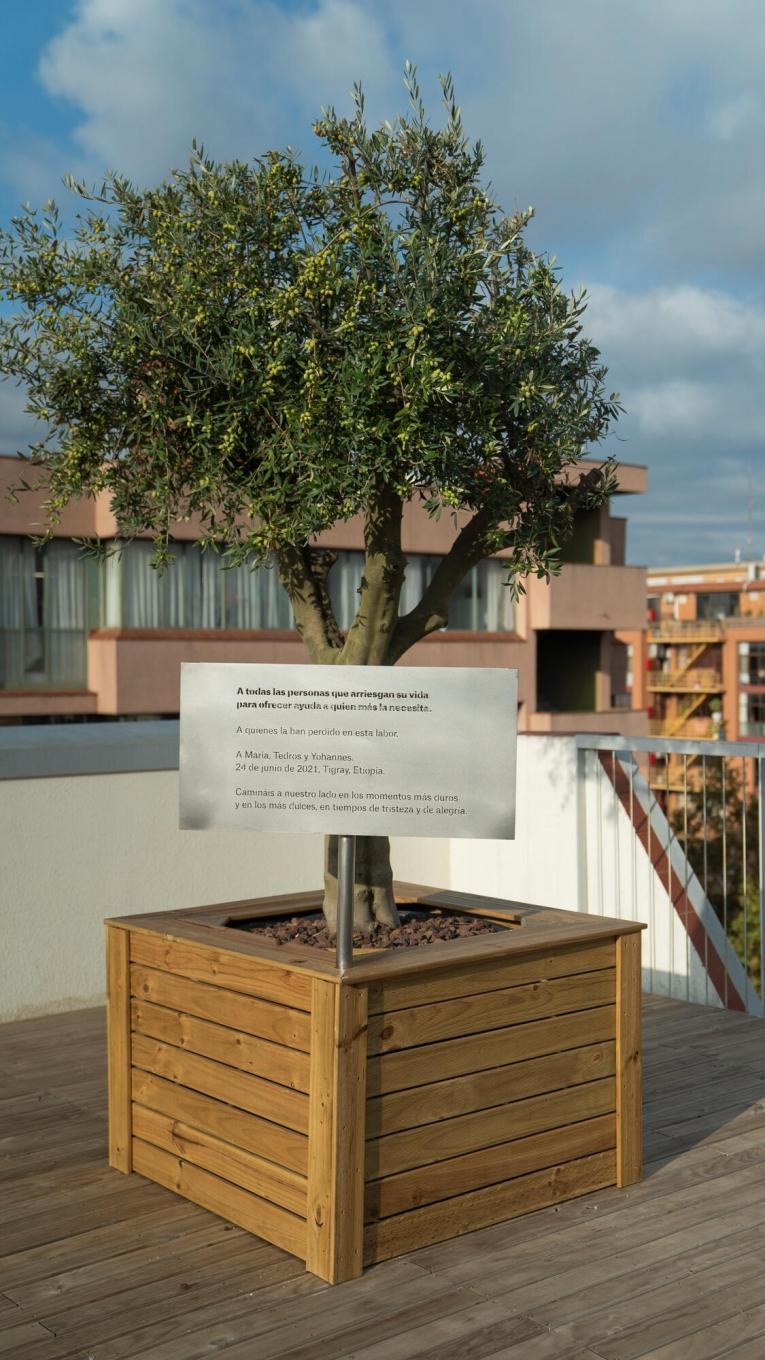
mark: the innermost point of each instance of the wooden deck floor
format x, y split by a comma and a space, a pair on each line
95, 1264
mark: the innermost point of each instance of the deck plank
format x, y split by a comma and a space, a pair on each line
96, 1264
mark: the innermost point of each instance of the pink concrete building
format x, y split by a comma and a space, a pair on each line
86, 640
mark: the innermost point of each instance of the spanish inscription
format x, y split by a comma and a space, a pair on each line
430, 752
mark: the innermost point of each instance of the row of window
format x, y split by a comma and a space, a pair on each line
50, 597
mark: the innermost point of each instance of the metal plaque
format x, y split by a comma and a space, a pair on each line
349, 750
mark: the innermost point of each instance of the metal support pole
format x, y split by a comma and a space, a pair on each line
346, 863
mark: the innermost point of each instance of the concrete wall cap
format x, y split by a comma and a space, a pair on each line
44, 750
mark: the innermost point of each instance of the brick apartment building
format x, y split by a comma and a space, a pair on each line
80, 640
705, 651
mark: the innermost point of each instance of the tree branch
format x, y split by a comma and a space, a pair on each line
432, 612
369, 638
303, 572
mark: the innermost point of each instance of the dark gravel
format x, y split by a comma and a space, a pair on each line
414, 930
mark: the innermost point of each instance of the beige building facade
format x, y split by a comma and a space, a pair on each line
80, 640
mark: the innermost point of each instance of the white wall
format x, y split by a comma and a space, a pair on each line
540, 864
80, 848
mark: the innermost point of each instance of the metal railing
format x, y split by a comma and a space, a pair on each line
672, 832
703, 729
707, 680
686, 630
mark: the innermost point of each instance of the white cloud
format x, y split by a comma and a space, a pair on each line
682, 323
679, 407
688, 361
736, 116
633, 129
239, 75
33, 164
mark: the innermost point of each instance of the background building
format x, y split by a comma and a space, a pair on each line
80, 640
705, 662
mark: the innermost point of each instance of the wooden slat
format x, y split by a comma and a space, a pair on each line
248, 1211
250, 908
541, 933
306, 960
488, 1166
118, 1046
231, 1163
268, 1140
234, 971
264, 1098
629, 1087
336, 1132
455, 1057
278, 1024
320, 1247
260, 1057
494, 1204
468, 1132
481, 1090
475, 1014
491, 975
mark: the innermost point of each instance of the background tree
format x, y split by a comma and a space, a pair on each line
719, 829
272, 350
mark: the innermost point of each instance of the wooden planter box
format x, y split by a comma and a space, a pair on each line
430, 1092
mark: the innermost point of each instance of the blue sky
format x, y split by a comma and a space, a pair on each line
636, 131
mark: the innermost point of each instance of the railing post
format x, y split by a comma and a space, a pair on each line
761, 875
581, 828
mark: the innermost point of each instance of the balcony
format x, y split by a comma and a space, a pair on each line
703, 729
589, 597
687, 630
702, 681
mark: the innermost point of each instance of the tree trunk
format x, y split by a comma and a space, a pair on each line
377, 637
373, 900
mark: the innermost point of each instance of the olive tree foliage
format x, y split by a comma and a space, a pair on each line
271, 350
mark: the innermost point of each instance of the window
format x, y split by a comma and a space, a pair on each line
50, 597
481, 604
717, 604
751, 663
45, 608
751, 715
196, 591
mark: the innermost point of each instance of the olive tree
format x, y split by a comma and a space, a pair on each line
272, 349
